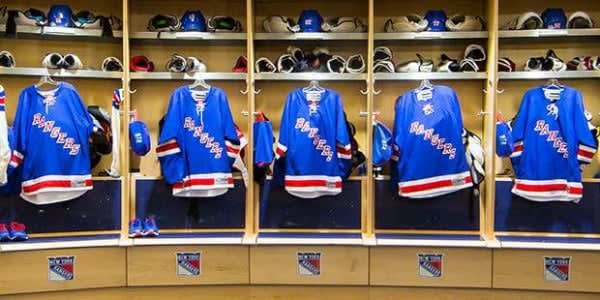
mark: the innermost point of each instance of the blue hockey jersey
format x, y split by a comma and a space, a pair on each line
51, 132
198, 143
314, 139
428, 141
551, 139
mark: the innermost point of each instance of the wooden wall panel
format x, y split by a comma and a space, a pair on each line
524, 269
156, 265
340, 265
461, 267
23, 272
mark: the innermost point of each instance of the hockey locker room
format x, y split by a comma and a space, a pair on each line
263, 149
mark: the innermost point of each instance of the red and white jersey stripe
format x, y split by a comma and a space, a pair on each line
435, 186
204, 185
55, 188
313, 186
167, 148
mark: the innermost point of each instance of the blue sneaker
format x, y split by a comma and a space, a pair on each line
135, 228
17, 232
4, 234
150, 227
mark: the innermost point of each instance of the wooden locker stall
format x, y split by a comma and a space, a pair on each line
548, 227
406, 230
308, 228
186, 221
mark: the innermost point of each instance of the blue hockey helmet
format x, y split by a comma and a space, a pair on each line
554, 18
193, 21
310, 21
60, 16
436, 20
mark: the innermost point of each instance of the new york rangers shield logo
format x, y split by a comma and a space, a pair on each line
557, 268
309, 263
189, 264
430, 265
61, 268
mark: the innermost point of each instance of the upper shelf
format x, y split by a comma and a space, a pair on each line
431, 76
310, 76
187, 76
538, 33
310, 36
533, 75
61, 32
225, 36
428, 35
61, 73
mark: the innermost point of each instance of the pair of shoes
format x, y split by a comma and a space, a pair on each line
13, 231
148, 228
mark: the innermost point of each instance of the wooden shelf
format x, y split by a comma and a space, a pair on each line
310, 36
188, 76
146, 35
62, 32
428, 35
431, 76
60, 73
535, 75
310, 76
542, 33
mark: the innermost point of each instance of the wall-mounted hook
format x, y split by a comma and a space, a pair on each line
363, 114
483, 113
247, 90
256, 92
499, 91
377, 92
485, 91
366, 90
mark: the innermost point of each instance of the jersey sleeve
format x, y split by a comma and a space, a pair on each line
85, 121
21, 125
168, 151
586, 142
457, 112
285, 128
5, 154
343, 146
519, 126
233, 136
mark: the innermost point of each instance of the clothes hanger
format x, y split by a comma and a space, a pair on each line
46, 79
425, 84
199, 83
554, 83
313, 86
